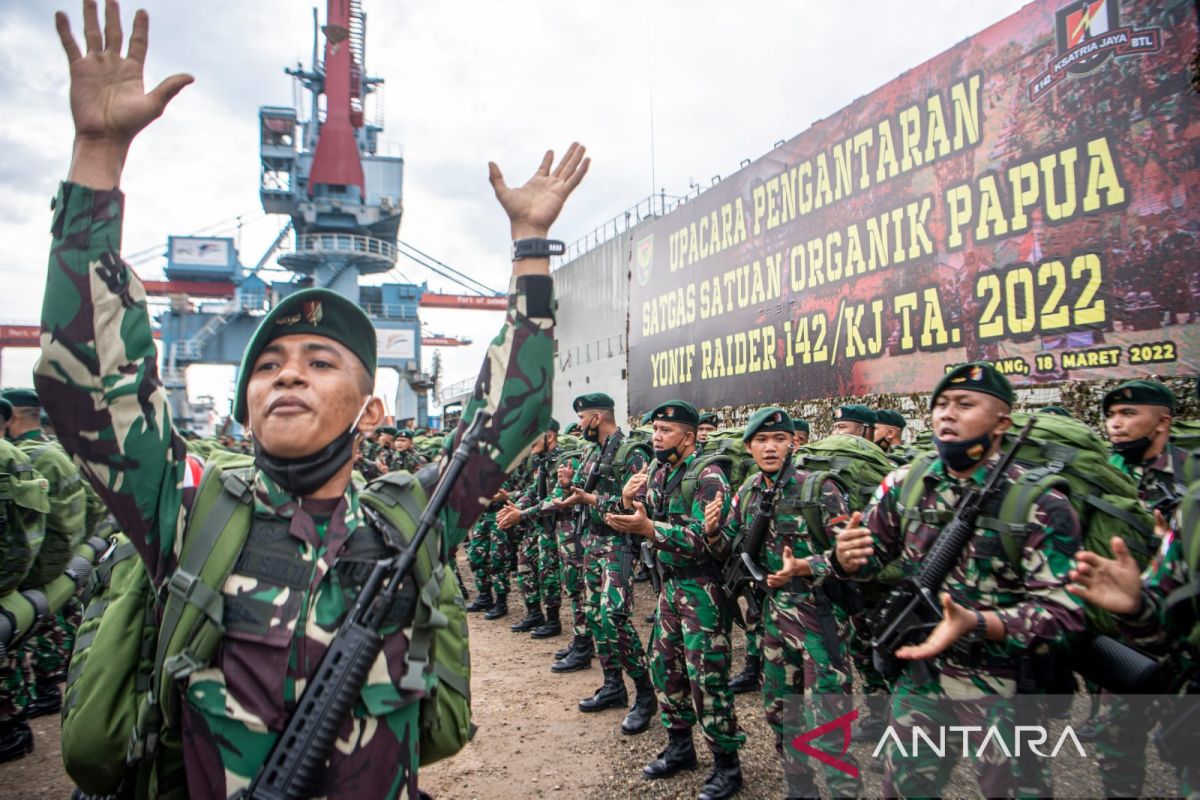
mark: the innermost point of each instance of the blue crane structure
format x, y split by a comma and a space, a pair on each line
344, 199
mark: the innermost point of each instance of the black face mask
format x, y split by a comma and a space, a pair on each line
669, 456
592, 434
1133, 450
304, 475
962, 456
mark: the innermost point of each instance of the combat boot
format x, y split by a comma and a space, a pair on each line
563, 652
533, 619
16, 739
644, 706
679, 754
483, 602
579, 656
749, 679
48, 701
725, 780
499, 609
873, 726
611, 695
551, 627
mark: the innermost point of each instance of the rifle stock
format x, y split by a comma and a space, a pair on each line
296, 763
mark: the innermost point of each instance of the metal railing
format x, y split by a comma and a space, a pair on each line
458, 388
345, 243
599, 350
389, 311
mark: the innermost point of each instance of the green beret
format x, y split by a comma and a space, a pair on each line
801, 425
680, 411
405, 434
5, 409
319, 312
21, 398
1056, 410
648, 417
855, 413
709, 418
572, 428
593, 400
554, 425
768, 419
386, 430
1139, 393
975, 376
887, 416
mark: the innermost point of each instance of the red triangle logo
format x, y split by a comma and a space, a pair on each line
843, 722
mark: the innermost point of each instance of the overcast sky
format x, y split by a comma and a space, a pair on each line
466, 82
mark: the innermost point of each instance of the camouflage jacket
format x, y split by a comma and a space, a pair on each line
1159, 484
1032, 601
528, 501
68, 515
559, 491
788, 527
608, 487
20, 539
679, 534
99, 374
409, 460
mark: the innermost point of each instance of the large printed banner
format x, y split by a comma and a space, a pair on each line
1030, 197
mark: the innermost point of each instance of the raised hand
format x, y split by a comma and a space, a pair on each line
713, 513
532, 208
634, 486
508, 516
792, 567
1114, 584
109, 102
957, 621
854, 545
637, 523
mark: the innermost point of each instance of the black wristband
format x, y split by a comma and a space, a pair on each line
537, 248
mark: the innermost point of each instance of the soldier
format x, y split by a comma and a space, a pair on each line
995, 620
1155, 610
405, 455
305, 390
855, 420
608, 559
49, 648
708, 423
385, 452
1137, 417
889, 429
488, 555
25, 502
578, 654
690, 639
524, 517
801, 435
805, 631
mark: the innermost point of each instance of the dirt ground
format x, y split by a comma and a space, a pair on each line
533, 742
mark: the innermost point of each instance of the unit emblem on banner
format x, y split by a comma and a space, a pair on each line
1089, 33
644, 256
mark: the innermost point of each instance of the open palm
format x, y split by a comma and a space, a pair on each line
532, 208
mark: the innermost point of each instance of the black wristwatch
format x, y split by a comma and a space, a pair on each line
980, 626
537, 248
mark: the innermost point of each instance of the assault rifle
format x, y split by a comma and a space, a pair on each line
294, 768
589, 485
913, 609
741, 575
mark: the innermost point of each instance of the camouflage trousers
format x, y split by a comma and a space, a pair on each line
549, 564
807, 682
860, 649
570, 553
14, 687
1122, 730
754, 637
529, 580
921, 701
488, 555
689, 662
51, 646
609, 605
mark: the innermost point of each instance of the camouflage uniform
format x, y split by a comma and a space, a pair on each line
807, 679
1033, 603
48, 648
608, 563
409, 460
1120, 726
539, 553
21, 543
690, 644
570, 555
523, 536
98, 373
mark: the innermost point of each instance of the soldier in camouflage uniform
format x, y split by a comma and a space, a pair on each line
530, 515
690, 640
305, 385
995, 619
523, 540
808, 667
608, 562
1152, 608
1137, 418
578, 653
27, 495
404, 456
49, 647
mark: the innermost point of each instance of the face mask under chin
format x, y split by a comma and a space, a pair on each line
304, 475
1133, 450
